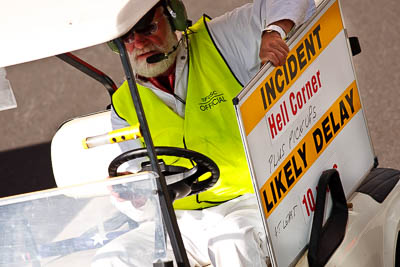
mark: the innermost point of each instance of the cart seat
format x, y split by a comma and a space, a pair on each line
72, 164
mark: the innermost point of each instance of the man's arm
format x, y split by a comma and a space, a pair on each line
239, 34
280, 18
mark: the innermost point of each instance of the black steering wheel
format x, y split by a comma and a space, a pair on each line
181, 181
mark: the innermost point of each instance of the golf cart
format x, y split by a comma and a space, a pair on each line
45, 240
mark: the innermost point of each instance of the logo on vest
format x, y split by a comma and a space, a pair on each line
210, 101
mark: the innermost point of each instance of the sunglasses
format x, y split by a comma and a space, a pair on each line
146, 31
128, 37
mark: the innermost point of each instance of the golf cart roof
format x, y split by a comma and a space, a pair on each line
37, 29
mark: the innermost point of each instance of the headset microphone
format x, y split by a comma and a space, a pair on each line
160, 56
156, 58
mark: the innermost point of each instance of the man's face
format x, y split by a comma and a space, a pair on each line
158, 38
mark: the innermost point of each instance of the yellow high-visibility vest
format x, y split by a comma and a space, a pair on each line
210, 125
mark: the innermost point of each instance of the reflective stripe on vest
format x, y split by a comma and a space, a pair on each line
210, 124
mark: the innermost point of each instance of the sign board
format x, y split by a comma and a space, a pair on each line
298, 120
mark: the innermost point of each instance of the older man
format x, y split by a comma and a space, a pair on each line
186, 82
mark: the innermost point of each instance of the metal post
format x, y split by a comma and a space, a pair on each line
167, 210
88, 69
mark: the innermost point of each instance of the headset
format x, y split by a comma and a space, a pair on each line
176, 13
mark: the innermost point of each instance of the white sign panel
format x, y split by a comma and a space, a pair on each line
299, 120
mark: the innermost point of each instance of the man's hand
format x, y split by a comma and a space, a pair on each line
121, 193
116, 192
273, 48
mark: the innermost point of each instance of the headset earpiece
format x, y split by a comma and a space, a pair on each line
177, 14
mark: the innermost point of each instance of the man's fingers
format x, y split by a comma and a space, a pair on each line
273, 49
116, 195
281, 55
270, 57
139, 201
277, 57
283, 49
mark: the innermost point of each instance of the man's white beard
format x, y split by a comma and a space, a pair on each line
145, 69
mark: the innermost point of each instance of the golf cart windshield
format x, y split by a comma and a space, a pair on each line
55, 228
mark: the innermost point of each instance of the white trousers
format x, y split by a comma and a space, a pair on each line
230, 235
